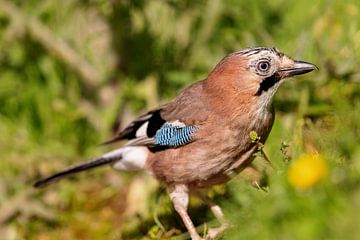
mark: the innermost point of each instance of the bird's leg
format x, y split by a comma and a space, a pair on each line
216, 210
179, 195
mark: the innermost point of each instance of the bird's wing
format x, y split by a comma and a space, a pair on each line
171, 125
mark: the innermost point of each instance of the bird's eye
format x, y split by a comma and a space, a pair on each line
263, 66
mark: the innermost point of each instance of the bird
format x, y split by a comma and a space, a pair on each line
201, 137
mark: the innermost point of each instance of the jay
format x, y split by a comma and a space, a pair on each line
201, 138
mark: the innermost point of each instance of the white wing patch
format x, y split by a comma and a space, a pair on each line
133, 159
178, 124
142, 130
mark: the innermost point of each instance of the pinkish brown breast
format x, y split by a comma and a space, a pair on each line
220, 146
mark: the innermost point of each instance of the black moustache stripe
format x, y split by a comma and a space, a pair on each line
267, 83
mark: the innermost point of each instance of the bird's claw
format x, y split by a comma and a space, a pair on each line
214, 232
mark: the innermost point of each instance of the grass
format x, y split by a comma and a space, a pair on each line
53, 113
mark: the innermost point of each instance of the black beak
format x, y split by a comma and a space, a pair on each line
300, 67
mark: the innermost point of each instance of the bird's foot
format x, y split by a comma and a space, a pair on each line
215, 232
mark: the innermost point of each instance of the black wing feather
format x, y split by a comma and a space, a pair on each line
154, 119
155, 123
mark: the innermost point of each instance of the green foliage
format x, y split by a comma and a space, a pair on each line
70, 69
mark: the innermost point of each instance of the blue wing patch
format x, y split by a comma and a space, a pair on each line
174, 136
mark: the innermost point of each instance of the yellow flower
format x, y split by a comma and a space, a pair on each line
307, 171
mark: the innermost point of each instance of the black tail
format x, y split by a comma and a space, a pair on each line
105, 159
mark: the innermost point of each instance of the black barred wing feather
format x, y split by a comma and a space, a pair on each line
173, 135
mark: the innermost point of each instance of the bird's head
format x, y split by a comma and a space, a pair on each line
254, 74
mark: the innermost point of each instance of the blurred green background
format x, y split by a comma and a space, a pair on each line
72, 71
